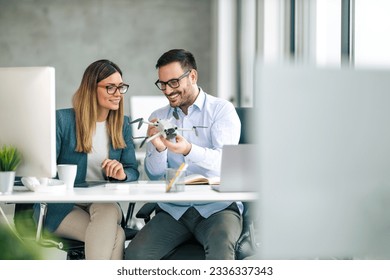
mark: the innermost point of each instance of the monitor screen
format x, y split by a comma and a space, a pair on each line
142, 106
27, 114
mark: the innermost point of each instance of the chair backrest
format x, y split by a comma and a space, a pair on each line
247, 120
247, 244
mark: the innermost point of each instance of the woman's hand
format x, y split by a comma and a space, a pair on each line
114, 169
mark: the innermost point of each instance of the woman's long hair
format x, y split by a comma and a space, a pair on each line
85, 104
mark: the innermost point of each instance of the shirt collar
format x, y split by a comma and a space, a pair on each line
199, 101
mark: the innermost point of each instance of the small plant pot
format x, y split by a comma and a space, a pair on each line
7, 180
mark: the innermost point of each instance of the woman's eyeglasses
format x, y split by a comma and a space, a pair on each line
111, 89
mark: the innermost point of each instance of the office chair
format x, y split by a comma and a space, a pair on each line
27, 229
246, 115
247, 245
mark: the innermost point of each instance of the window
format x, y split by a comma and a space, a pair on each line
371, 39
328, 32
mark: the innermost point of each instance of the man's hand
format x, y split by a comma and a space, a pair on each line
179, 146
152, 130
114, 169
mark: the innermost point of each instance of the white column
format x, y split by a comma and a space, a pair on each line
305, 21
226, 50
247, 52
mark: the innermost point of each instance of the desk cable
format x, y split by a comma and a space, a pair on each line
9, 224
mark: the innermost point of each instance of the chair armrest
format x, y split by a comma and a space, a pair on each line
247, 244
145, 212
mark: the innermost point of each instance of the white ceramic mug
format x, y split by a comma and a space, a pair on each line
67, 174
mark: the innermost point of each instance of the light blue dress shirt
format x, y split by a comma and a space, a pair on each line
222, 128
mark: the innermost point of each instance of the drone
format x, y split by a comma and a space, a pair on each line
166, 129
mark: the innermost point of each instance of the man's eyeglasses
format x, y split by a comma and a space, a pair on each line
111, 89
172, 83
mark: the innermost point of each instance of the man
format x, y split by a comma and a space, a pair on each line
217, 226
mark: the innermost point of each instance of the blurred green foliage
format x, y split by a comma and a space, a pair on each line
13, 248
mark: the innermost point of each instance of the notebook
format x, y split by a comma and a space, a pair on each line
237, 168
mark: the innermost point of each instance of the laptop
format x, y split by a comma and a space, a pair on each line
237, 169
89, 184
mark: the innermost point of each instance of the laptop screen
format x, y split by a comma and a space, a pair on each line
238, 168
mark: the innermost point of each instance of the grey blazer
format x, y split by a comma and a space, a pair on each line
66, 154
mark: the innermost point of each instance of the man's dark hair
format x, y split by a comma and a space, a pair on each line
185, 58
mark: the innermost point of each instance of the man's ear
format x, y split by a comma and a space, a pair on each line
194, 76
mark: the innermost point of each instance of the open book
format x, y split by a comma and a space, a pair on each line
197, 179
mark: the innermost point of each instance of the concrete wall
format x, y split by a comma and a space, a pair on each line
71, 34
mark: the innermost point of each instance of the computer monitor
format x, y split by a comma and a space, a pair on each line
27, 118
142, 106
324, 159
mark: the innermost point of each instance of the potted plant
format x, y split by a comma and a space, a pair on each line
10, 159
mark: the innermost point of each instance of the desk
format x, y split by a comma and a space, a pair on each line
135, 192
143, 191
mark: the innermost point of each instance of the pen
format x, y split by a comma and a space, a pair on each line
182, 167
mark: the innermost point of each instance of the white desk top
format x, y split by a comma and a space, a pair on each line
137, 192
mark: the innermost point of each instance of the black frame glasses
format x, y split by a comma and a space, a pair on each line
172, 83
111, 89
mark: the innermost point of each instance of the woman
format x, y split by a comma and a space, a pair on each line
96, 136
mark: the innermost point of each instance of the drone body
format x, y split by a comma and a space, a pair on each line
165, 127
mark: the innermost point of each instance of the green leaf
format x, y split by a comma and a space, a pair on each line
10, 158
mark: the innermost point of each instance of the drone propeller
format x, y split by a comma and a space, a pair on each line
137, 120
140, 122
141, 137
146, 138
143, 142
